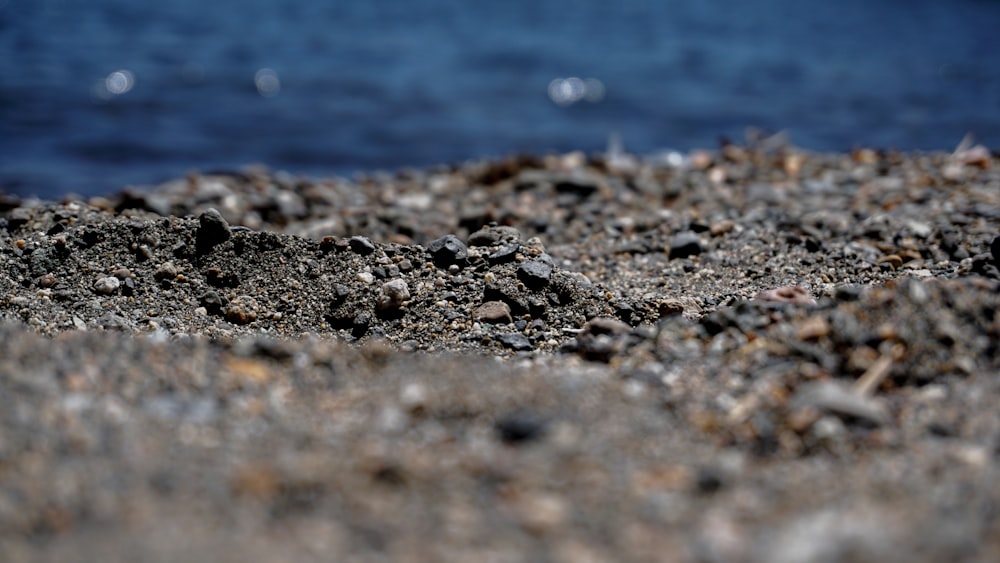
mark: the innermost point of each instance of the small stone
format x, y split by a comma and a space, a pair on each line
448, 250
213, 302
514, 341
893, 260
534, 274
814, 328
361, 245
684, 245
794, 294
107, 285
213, 230
496, 312
166, 271
46, 281
504, 254
519, 427
366, 277
483, 237
995, 250
242, 310
722, 227
394, 293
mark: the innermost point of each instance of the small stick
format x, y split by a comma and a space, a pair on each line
870, 380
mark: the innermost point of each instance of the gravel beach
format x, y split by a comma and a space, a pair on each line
756, 353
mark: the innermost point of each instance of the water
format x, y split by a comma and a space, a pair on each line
99, 94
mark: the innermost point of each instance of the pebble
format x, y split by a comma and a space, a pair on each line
496, 312
242, 310
165, 271
520, 427
448, 250
685, 245
504, 254
534, 274
212, 231
361, 245
515, 341
107, 285
394, 293
794, 294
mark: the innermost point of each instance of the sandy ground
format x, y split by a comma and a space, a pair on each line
751, 354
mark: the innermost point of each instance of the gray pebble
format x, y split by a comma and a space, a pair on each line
684, 245
213, 230
534, 274
107, 285
504, 254
514, 341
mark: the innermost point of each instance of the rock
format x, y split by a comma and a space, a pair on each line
722, 227
514, 341
242, 310
213, 230
794, 294
394, 293
483, 237
534, 274
504, 254
496, 312
165, 271
995, 250
448, 250
213, 302
520, 427
107, 285
361, 245
685, 245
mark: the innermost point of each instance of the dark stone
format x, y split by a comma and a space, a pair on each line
514, 341
213, 302
361, 245
708, 480
534, 274
448, 250
484, 237
212, 230
684, 245
520, 427
340, 294
581, 186
216, 278
699, 227
995, 249
504, 254
18, 218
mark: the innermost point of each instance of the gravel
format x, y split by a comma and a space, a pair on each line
751, 354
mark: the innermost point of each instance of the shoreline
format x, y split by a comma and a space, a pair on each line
755, 354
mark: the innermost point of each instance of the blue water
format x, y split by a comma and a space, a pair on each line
98, 94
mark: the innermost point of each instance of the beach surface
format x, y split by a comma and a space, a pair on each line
756, 353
